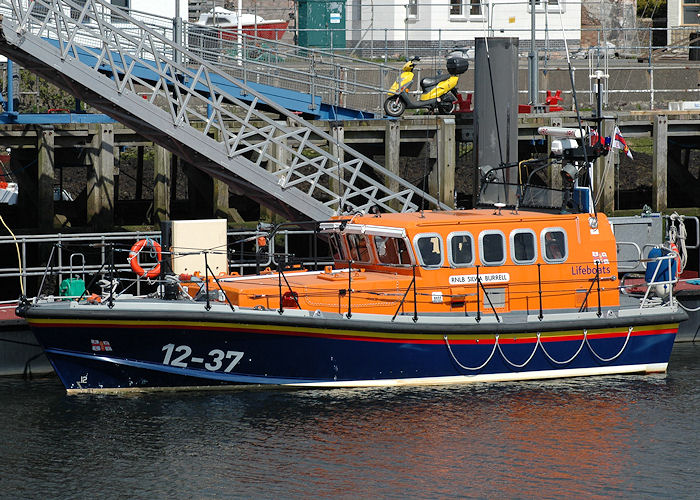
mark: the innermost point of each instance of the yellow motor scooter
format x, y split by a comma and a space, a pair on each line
439, 93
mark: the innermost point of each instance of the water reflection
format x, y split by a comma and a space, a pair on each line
598, 437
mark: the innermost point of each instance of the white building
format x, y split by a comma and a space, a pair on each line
436, 21
683, 18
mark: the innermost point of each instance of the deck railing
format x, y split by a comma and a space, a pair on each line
289, 246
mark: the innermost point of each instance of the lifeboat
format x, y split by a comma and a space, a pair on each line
498, 293
433, 297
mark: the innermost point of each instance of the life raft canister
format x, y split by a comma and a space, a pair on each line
134, 261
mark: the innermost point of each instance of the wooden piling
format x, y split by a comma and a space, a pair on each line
660, 163
162, 176
100, 178
45, 177
338, 133
392, 154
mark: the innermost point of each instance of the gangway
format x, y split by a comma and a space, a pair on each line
349, 87
327, 85
295, 101
279, 164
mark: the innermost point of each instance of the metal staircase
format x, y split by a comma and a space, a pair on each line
276, 163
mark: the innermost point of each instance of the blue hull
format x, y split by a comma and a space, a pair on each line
113, 357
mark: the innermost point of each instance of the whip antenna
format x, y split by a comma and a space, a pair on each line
576, 108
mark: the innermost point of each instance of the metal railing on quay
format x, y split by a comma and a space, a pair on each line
340, 77
353, 66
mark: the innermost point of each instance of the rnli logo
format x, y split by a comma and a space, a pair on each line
101, 345
600, 258
470, 279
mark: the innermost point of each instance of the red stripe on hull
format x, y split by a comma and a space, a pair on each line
438, 340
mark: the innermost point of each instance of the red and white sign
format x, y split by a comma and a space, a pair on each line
600, 258
101, 345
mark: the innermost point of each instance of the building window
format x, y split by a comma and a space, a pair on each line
39, 11
547, 5
75, 12
492, 248
475, 9
460, 8
461, 249
123, 5
523, 249
691, 12
412, 9
554, 245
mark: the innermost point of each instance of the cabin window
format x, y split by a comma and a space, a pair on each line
359, 250
492, 248
461, 249
554, 245
429, 250
392, 251
523, 246
336, 247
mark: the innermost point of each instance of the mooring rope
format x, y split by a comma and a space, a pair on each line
688, 309
607, 360
583, 341
493, 351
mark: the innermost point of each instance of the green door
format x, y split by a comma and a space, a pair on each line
322, 23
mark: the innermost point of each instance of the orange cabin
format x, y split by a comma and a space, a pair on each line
521, 261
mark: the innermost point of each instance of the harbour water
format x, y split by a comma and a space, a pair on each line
600, 437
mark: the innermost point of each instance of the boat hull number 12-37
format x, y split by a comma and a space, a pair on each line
181, 357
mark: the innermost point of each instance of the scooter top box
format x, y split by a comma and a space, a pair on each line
457, 65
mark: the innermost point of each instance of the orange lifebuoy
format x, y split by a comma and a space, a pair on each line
674, 248
134, 261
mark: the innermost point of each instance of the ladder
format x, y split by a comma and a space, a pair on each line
134, 74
